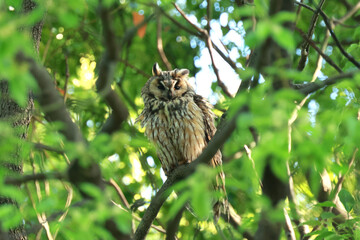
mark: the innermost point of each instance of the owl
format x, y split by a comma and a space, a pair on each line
180, 123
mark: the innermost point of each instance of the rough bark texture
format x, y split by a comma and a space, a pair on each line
19, 118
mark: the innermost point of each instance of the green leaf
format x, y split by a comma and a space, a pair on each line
327, 215
324, 235
201, 200
10, 216
347, 199
283, 36
263, 30
326, 204
282, 17
178, 204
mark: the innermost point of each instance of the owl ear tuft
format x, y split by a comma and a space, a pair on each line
182, 72
156, 70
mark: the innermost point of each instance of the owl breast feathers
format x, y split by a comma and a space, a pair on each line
178, 121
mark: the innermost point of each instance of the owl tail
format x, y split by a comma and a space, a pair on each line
221, 206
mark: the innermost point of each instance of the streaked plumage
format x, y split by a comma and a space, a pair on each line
179, 122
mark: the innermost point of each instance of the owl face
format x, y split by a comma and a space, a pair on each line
168, 85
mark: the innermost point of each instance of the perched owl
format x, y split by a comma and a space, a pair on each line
180, 123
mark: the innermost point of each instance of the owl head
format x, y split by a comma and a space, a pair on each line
167, 85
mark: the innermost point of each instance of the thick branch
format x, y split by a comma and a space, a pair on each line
184, 171
106, 75
33, 177
173, 225
50, 99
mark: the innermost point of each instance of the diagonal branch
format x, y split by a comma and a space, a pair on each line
159, 43
318, 50
50, 99
342, 178
338, 43
329, 27
106, 75
206, 36
184, 171
305, 45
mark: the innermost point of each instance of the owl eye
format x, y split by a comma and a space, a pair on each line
161, 87
177, 87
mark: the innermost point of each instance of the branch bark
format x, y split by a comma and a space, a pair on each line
206, 36
159, 43
184, 171
314, 86
305, 45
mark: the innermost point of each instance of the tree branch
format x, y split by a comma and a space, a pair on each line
40, 146
50, 99
34, 177
205, 34
342, 178
184, 171
136, 69
173, 225
106, 75
314, 86
328, 25
197, 34
318, 50
159, 43
305, 45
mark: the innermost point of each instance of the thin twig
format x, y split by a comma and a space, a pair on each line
186, 29
41, 146
159, 43
136, 69
199, 35
342, 177
328, 25
350, 13
205, 34
67, 75
320, 58
338, 43
289, 230
41, 217
305, 45
47, 46
119, 192
318, 50
216, 70
291, 189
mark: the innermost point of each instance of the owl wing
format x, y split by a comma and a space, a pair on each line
221, 206
206, 107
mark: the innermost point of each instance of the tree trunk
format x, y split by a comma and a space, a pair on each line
19, 118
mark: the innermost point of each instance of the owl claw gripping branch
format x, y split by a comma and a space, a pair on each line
180, 123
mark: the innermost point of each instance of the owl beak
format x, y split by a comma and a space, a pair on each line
170, 95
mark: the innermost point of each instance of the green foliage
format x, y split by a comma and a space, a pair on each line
317, 138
